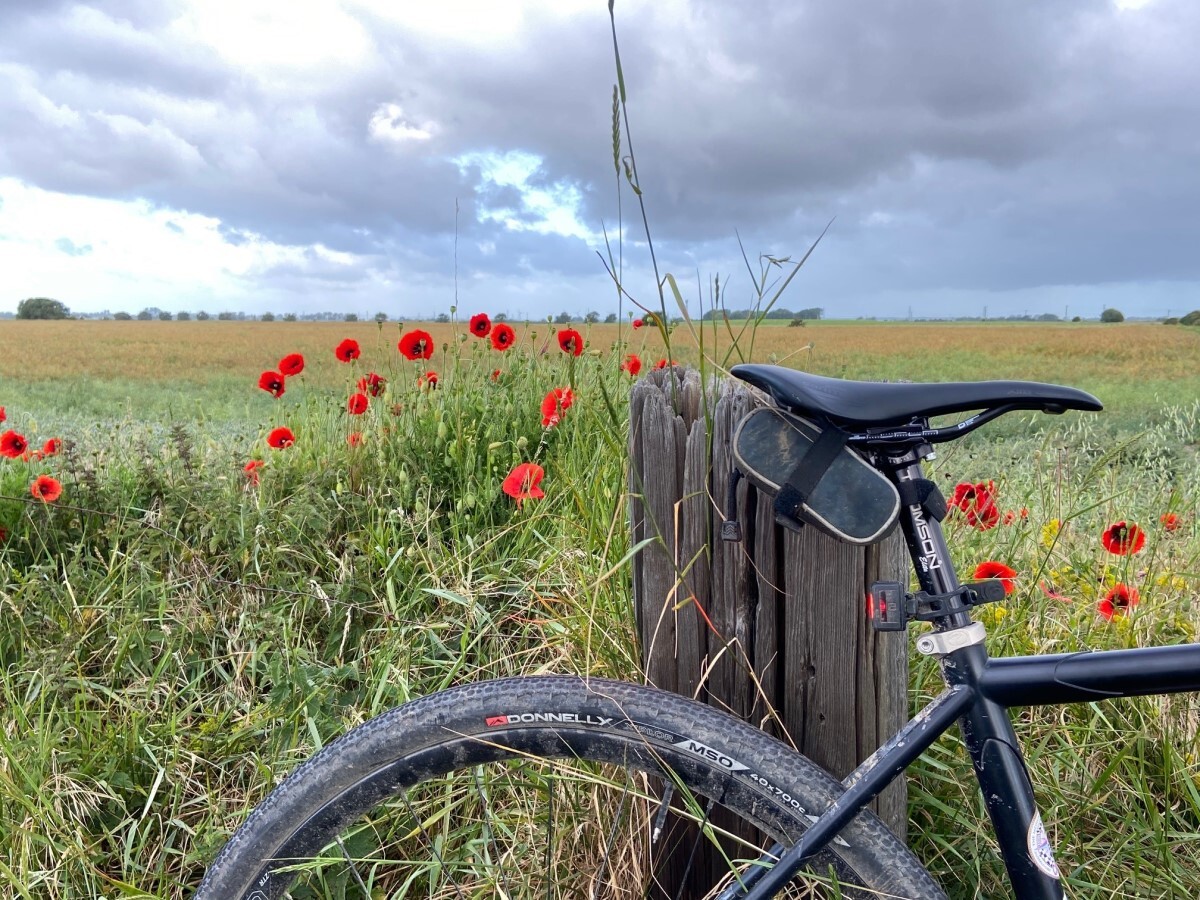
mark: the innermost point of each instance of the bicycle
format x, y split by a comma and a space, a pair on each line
607, 784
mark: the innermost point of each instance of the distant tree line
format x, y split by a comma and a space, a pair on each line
775, 312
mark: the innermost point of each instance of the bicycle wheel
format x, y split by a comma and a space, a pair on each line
550, 787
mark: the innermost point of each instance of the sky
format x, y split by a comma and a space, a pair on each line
402, 156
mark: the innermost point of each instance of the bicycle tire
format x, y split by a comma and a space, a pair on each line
530, 731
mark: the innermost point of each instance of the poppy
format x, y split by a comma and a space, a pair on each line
272, 383
46, 489
251, 469
662, 364
638, 323
1170, 521
570, 341
1051, 591
372, 384
347, 350
281, 437
12, 444
3, 530
1118, 601
503, 336
522, 482
632, 364
555, 404
978, 503
3, 414
1123, 539
480, 325
495, 374
429, 380
292, 364
354, 439
357, 404
416, 344
992, 569
52, 447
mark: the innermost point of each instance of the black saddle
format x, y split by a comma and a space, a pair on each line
872, 404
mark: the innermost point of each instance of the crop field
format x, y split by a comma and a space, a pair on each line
203, 581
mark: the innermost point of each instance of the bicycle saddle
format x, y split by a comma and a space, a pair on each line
870, 403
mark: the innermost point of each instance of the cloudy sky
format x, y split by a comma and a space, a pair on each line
1029, 156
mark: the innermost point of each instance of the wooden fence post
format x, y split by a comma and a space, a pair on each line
772, 629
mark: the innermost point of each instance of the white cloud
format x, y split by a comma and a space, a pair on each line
389, 124
552, 208
95, 254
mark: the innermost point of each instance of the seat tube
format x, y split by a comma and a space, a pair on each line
986, 727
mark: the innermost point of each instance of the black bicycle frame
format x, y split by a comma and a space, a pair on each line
979, 693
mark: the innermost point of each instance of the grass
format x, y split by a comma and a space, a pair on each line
175, 640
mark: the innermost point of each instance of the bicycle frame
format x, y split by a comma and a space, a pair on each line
979, 693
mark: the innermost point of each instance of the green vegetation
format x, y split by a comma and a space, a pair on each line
176, 638
42, 308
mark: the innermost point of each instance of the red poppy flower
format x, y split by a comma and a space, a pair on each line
372, 384
428, 380
357, 404
496, 374
1123, 539
555, 404
272, 383
12, 444
292, 364
662, 364
46, 489
52, 447
522, 482
1053, 592
503, 336
3, 414
638, 323
251, 469
1170, 521
570, 341
992, 569
281, 437
632, 364
1118, 601
480, 325
978, 503
354, 439
416, 344
347, 350
3, 530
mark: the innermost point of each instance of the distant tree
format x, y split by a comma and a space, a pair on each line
563, 318
1170, 320
267, 317
350, 317
145, 315
42, 308
289, 317
813, 312
224, 317
1076, 319
1048, 317
165, 316
1192, 318
610, 319
443, 318
591, 318
182, 316
1112, 315
796, 323
380, 317
650, 320
202, 316
500, 317
123, 316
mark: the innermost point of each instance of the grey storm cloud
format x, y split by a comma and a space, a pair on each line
953, 145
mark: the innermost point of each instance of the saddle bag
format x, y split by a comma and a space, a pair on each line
814, 477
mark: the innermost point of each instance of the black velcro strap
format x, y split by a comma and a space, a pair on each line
731, 529
925, 494
809, 471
